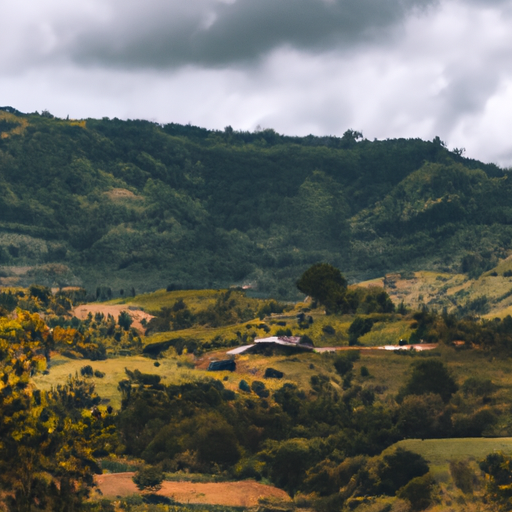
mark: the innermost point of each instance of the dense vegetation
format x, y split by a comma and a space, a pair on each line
326, 436
133, 204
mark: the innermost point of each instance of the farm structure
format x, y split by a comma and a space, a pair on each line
289, 342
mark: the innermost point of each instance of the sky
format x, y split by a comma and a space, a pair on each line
386, 68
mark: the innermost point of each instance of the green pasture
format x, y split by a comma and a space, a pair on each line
154, 301
386, 333
439, 452
61, 367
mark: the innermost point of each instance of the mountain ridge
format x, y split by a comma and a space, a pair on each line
138, 204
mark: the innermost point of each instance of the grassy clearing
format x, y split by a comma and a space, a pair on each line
439, 290
297, 369
439, 452
386, 333
61, 367
195, 299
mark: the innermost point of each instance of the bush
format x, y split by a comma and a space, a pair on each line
418, 492
344, 361
396, 469
462, 475
244, 386
259, 388
228, 394
477, 386
99, 374
270, 373
328, 329
430, 376
86, 371
358, 328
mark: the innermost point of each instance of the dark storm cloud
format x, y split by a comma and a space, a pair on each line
164, 34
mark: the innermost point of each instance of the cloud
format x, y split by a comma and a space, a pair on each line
390, 68
172, 33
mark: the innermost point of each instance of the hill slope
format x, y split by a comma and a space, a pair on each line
136, 204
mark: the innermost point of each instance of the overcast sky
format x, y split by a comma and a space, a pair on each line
388, 68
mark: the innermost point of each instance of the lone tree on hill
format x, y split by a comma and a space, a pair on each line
325, 284
148, 479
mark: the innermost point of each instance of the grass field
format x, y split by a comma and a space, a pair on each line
61, 367
154, 301
386, 369
439, 290
439, 452
297, 369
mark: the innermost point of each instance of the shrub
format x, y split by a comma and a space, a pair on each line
244, 386
99, 374
259, 388
86, 371
462, 475
364, 372
270, 373
430, 376
396, 469
358, 328
418, 492
228, 394
328, 329
344, 362
477, 386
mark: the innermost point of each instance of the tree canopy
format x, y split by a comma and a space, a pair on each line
325, 284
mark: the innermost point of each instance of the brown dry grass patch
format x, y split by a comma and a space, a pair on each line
137, 315
246, 493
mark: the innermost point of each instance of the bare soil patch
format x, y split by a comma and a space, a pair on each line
234, 494
137, 315
121, 193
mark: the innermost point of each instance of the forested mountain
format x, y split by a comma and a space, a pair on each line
137, 204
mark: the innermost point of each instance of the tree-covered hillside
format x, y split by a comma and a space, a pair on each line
137, 204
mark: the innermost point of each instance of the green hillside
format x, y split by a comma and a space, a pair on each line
123, 385
134, 204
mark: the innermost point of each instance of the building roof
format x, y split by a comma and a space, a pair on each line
284, 341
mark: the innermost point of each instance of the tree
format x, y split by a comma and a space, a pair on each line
359, 327
45, 455
418, 492
344, 361
148, 478
396, 469
125, 320
499, 484
430, 376
325, 284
